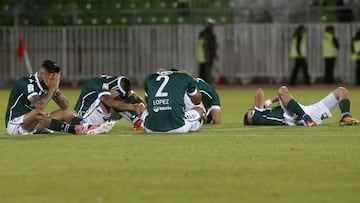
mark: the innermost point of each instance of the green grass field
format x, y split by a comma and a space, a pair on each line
225, 163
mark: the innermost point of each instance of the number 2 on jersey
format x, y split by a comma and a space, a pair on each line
160, 92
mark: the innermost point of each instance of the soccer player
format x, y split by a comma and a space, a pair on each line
28, 99
210, 100
106, 98
164, 94
291, 113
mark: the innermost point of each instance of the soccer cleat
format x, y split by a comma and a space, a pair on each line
81, 128
103, 128
137, 126
349, 121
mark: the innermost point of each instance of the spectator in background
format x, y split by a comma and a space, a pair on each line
207, 50
184, 7
355, 50
344, 12
330, 46
298, 53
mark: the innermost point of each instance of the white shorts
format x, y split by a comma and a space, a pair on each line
192, 123
190, 105
318, 111
96, 116
14, 128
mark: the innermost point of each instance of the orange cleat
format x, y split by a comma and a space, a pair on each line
137, 126
349, 121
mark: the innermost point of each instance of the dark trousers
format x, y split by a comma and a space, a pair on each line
357, 72
205, 72
329, 70
300, 63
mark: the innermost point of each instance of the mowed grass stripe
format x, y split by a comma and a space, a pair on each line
225, 163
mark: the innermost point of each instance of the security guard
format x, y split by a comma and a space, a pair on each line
330, 46
207, 50
298, 53
356, 55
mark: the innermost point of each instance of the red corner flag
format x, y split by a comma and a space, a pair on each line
20, 51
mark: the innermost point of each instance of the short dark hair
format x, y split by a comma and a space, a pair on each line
329, 28
246, 121
125, 83
50, 66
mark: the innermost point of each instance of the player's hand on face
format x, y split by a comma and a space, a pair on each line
52, 82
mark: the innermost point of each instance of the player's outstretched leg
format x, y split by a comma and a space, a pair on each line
342, 95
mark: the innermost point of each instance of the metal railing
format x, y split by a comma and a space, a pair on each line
246, 51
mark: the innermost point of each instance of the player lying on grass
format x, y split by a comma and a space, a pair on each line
30, 96
289, 112
164, 93
106, 98
209, 98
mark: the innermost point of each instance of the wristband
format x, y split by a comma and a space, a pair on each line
268, 102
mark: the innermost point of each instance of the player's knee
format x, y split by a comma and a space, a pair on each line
341, 93
342, 90
259, 92
283, 90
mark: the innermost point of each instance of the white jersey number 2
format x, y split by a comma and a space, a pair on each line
160, 92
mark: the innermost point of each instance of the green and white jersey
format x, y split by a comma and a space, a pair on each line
269, 116
165, 93
210, 97
24, 88
96, 87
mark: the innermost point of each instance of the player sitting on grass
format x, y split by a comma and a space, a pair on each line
210, 100
29, 97
105, 98
291, 113
165, 92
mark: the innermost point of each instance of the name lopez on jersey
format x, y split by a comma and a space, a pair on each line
159, 105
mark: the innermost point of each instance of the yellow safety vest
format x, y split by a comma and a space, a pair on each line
328, 46
355, 55
201, 51
293, 51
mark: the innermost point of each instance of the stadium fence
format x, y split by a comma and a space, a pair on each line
246, 52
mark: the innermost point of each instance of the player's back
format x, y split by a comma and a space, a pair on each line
18, 103
91, 91
165, 99
208, 94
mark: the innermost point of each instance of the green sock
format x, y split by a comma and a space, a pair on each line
76, 121
344, 106
58, 125
295, 107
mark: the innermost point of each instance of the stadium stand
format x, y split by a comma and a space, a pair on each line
113, 12
144, 12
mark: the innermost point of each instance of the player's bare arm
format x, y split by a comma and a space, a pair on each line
216, 116
52, 84
196, 99
138, 99
60, 99
40, 103
110, 102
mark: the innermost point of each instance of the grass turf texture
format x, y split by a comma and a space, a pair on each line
225, 163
